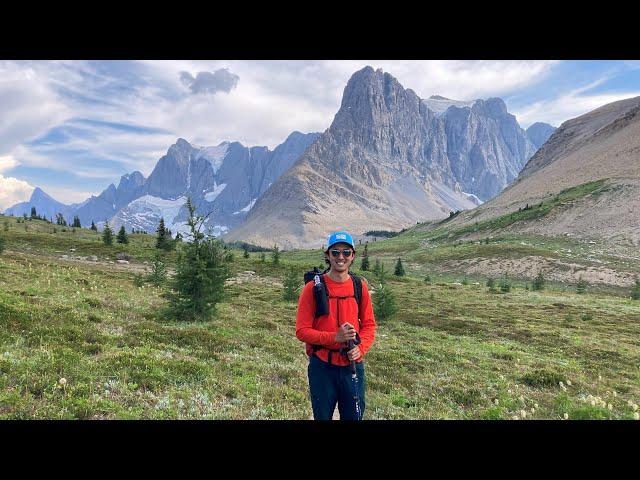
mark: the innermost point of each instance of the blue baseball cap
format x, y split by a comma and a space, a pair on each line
339, 237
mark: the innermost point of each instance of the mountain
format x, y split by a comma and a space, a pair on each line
223, 182
45, 205
538, 133
584, 181
388, 160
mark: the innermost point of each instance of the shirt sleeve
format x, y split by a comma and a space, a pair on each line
304, 320
368, 327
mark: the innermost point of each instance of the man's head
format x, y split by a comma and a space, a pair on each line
340, 251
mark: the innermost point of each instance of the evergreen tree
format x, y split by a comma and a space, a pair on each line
365, 259
198, 284
33, 212
6, 225
107, 234
581, 287
76, 222
60, 220
384, 302
161, 240
2, 242
376, 267
178, 237
93, 226
538, 282
122, 236
427, 279
276, 255
399, 271
263, 257
635, 294
505, 285
291, 285
158, 274
246, 252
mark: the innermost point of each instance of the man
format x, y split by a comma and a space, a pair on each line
327, 337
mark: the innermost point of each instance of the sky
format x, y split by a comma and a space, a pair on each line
74, 127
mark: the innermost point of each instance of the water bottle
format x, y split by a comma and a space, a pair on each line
322, 302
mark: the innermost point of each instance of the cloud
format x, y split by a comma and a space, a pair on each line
13, 191
569, 105
207, 82
7, 162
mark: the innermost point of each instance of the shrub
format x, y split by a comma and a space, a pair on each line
542, 378
427, 279
505, 285
275, 255
138, 279
2, 242
365, 259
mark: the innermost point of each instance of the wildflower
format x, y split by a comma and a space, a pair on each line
599, 377
535, 405
593, 403
609, 406
523, 413
533, 410
62, 382
569, 382
521, 398
515, 417
561, 384
566, 416
636, 415
496, 401
635, 407
615, 394
509, 392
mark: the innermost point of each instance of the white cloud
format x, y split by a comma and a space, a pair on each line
7, 162
568, 106
29, 106
13, 191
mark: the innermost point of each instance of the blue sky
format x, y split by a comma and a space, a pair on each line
74, 127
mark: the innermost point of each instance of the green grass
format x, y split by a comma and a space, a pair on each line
451, 352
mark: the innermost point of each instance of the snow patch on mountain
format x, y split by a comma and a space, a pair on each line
247, 208
215, 155
217, 190
439, 105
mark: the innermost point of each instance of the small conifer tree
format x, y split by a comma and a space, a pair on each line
33, 212
93, 226
161, 239
399, 271
581, 286
122, 236
263, 257
158, 273
384, 303
505, 285
538, 282
377, 267
245, 252
291, 285
201, 271
365, 259
107, 234
635, 294
2, 242
276, 255
76, 222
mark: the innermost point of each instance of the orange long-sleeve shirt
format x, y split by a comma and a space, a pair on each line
321, 331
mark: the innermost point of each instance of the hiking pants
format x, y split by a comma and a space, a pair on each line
331, 384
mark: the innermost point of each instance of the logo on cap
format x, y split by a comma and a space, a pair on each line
341, 237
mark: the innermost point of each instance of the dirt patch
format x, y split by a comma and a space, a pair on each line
251, 277
528, 267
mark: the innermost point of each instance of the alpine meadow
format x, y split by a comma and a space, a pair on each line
503, 265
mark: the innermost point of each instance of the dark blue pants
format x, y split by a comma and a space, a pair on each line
331, 384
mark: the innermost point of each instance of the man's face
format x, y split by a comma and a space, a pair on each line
340, 263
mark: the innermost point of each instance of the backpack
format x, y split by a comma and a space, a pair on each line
322, 293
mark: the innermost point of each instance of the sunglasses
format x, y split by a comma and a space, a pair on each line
336, 253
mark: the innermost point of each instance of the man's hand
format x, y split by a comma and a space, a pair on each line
345, 333
354, 354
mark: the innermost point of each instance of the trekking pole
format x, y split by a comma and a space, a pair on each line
354, 382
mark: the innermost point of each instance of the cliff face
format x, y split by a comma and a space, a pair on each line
387, 161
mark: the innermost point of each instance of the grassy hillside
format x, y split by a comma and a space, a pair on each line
453, 351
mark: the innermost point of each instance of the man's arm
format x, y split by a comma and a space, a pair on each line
304, 320
368, 326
